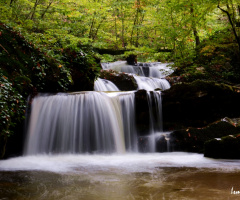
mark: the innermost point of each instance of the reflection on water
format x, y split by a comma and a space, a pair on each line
151, 176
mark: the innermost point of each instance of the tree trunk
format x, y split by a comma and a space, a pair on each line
91, 28
43, 14
96, 32
194, 28
34, 9
11, 3
123, 28
232, 25
3, 146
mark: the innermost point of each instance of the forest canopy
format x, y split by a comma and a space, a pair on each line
177, 26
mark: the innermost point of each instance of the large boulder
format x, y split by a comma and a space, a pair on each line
123, 81
193, 139
227, 147
198, 104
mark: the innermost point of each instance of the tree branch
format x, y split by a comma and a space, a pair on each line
233, 27
4, 48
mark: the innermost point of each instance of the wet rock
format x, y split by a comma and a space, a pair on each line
142, 112
198, 104
123, 81
131, 59
193, 139
227, 147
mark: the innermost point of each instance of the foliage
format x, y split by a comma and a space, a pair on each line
84, 67
28, 68
160, 25
216, 59
12, 107
106, 58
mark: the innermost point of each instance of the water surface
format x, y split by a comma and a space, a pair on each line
129, 176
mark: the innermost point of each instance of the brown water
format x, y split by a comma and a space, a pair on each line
153, 176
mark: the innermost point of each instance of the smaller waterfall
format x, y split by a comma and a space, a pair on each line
104, 85
151, 84
127, 102
155, 118
163, 141
148, 76
156, 70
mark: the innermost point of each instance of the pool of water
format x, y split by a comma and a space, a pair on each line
129, 176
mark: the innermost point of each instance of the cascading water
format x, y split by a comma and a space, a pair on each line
148, 76
95, 122
127, 102
157, 70
149, 84
155, 121
89, 122
104, 85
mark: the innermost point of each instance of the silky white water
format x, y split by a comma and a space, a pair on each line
90, 122
77, 123
123, 163
148, 76
156, 70
104, 85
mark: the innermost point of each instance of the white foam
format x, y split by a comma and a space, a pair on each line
125, 163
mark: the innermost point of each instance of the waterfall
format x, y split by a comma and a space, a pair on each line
89, 122
104, 85
151, 84
155, 119
85, 122
156, 70
148, 76
97, 122
127, 102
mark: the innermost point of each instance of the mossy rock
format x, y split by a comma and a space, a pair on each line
131, 57
142, 112
123, 81
198, 104
193, 139
227, 148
